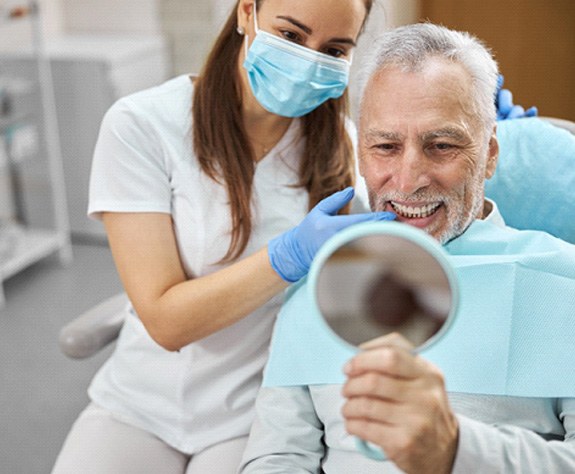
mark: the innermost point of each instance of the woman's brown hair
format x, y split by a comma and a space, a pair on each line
226, 155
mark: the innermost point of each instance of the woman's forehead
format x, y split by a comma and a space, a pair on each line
333, 18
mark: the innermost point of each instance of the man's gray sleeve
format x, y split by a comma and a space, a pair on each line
492, 448
286, 435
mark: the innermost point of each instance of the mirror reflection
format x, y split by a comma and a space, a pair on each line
378, 284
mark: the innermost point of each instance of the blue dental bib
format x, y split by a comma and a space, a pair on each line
513, 333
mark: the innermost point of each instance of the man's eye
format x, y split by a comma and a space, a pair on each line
442, 146
385, 146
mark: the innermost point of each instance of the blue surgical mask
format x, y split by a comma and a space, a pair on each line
291, 80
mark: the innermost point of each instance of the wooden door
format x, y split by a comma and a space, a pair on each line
532, 40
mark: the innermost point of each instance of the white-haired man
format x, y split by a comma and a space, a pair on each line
427, 144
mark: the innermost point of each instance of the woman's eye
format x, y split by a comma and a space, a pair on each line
335, 52
291, 36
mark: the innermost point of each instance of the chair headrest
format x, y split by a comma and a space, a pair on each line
534, 184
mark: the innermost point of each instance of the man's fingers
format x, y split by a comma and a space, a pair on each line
373, 409
393, 361
391, 339
374, 384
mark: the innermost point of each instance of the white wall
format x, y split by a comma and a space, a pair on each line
192, 25
86, 16
52, 17
221, 9
401, 12
112, 16
18, 32
385, 14
188, 26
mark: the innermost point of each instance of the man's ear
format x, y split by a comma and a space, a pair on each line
244, 12
493, 154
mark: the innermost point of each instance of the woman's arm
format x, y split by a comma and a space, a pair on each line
177, 311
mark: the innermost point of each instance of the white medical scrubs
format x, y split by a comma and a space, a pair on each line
144, 162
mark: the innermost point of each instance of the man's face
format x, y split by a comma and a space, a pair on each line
423, 152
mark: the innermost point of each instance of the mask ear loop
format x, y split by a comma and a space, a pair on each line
256, 29
246, 41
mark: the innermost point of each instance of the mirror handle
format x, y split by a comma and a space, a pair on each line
370, 450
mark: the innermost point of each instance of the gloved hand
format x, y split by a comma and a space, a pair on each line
505, 107
291, 253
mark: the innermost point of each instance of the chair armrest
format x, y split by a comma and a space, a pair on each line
94, 329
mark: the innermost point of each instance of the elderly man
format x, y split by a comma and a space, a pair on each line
427, 143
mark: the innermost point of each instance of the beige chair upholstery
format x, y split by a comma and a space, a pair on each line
94, 329
561, 123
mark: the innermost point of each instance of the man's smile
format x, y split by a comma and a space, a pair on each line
418, 214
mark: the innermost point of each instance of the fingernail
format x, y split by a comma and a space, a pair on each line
347, 368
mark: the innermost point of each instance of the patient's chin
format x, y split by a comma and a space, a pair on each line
450, 232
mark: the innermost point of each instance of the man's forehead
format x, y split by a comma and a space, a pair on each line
431, 69
425, 102
436, 80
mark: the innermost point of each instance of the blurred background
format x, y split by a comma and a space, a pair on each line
62, 64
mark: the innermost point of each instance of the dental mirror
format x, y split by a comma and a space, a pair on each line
377, 278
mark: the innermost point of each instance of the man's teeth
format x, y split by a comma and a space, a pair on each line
415, 212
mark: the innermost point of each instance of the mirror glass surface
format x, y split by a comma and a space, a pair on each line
377, 284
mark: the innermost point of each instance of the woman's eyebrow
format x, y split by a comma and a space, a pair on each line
294, 22
343, 41
309, 31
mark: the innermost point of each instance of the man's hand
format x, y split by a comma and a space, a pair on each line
397, 400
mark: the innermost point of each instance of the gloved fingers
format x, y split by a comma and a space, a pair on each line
516, 112
504, 102
342, 222
332, 204
532, 112
500, 81
506, 109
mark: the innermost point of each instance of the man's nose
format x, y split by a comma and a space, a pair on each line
412, 173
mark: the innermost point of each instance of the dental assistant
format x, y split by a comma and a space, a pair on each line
205, 185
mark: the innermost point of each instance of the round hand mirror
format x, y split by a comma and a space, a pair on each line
377, 278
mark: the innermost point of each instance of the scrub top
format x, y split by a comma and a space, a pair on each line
144, 162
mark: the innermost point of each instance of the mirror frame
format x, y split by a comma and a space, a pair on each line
391, 228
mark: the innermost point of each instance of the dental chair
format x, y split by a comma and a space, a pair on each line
532, 186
